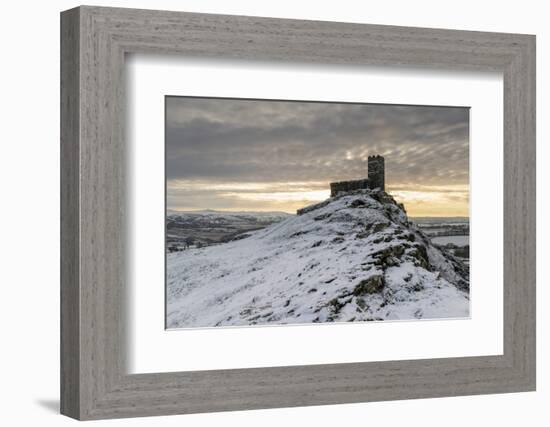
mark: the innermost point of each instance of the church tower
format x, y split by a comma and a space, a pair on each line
376, 172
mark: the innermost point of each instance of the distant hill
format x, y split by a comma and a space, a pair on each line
356, 257
209, 227
211, 213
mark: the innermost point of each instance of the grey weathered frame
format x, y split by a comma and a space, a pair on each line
94, 41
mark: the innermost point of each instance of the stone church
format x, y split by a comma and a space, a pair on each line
375, 179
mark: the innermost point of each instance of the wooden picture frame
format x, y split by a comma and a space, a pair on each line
94, 382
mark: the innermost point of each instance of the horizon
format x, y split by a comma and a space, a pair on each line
237, 155
289, 213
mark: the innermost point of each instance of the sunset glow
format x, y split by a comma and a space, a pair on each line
452, 200
253, 155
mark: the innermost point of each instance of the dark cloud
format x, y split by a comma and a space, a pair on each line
247, 141
262, 141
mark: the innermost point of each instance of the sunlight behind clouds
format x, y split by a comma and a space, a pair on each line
230, 154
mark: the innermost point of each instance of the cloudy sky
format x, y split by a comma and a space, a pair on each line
229, 154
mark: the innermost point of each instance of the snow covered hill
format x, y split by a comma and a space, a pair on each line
355, 257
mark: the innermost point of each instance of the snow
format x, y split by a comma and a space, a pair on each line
357, 258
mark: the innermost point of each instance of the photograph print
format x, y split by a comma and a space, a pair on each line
299, 212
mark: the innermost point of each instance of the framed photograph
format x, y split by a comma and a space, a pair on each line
255, 235
345, 212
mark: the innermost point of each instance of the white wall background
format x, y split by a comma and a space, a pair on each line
29, 233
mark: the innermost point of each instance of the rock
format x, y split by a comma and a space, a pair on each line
335, 305
357, 203
420, 254
361, 304
322, 216
371, 285
379, 226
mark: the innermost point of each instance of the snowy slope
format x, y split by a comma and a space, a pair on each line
354, 258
